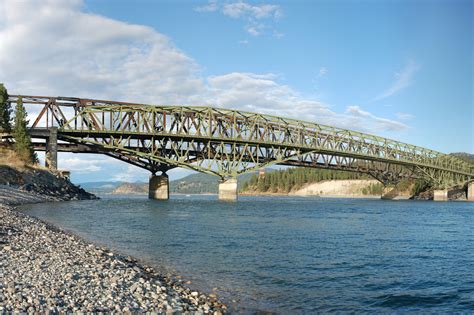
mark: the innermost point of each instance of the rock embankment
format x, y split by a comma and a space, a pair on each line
42, 183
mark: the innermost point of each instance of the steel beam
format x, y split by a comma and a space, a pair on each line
227, 142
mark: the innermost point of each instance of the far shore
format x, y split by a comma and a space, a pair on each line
311, 195
247, 194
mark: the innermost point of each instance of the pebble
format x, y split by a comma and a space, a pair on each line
52, 272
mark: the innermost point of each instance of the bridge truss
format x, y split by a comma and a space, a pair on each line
227, 143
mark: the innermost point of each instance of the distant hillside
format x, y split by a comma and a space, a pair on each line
468, 157
199, 183
101, 187
194, 184
131, 188
291, 179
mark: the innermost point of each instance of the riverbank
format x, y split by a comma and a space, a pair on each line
44, 268
340, 188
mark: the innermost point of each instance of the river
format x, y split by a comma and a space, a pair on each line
293, 255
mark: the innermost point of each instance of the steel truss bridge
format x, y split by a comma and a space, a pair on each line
227, 143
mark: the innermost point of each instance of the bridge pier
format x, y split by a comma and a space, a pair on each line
393, 193
51, 155
470, 191
228, 189
440, 195
158, 187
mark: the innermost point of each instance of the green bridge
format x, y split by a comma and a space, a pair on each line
227, 143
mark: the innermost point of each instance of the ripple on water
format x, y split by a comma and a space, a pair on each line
400, 300
295, 255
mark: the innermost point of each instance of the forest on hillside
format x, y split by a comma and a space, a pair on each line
286, 180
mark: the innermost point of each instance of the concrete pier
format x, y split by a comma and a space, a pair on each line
440, 195
228, 189
393, 193
158, 187
51, 155
470, 191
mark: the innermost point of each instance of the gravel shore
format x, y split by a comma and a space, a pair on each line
44, 269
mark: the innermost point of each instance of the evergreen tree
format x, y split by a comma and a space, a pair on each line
20, 134
286, 180
261, 185
5, 110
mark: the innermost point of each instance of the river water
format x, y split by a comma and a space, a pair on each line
294, 255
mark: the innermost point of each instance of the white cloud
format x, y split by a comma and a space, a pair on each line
404, 116
278, 34
257, 17
242, 9
378, 123
255, 29
129, 62
210, 7
131, 174
71, 52
55, 48
322, 72
403, 79
262, 93
81, 165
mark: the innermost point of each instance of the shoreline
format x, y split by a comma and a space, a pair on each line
46, 268
244, 194
329, 196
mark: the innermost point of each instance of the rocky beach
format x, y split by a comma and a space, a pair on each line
46, 269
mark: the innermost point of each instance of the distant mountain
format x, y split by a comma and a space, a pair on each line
199, 183
89, 185
131, 188
101, 187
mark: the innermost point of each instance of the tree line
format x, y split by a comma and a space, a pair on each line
18, 129
286, 180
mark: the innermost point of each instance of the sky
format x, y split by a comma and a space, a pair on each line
401, 69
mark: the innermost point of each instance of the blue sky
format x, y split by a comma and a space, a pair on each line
361, 44
400, 69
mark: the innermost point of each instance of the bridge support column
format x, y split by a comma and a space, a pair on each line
228, 189
470, 191
51, 155
440, 195
393, 193
159, 187
389, 193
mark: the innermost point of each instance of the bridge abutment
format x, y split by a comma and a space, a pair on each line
51, 154
470, 191
440, 195
228, 189
158, 187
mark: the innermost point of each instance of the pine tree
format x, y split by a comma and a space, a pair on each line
5, 110
245, 186
20, 134
261, 185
